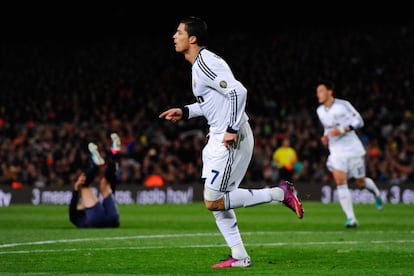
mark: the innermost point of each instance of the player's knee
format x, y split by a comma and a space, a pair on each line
216, 205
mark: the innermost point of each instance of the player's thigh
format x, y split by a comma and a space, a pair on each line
217, 162
242, 157
357, 167
336, 162
224, 169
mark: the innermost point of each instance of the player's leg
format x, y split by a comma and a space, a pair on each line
228, 172
88, 197
223, 171
240, 157
358, 172
107, 187
93, 208
338, 167
113, 159
112, 217
226, 222
372, 187
217, 170
107, 184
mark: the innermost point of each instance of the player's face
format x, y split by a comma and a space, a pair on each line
181, 39
323, 93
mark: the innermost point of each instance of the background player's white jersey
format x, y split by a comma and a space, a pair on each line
342, 114
221, 99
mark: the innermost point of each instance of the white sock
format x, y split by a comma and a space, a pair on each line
345, 199
277, 194
227, 224
370, 186
238, 251
246, 198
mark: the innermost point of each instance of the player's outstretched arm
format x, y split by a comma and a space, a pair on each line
172, 114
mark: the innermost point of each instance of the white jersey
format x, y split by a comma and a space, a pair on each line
221, 99
342, 114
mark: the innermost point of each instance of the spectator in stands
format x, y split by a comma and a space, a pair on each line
285, 157
41, 131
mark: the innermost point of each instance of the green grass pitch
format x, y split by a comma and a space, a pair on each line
184, 240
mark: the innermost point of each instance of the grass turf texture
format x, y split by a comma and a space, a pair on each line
184, 240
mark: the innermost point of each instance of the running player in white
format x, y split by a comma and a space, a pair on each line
346, 153
221, 99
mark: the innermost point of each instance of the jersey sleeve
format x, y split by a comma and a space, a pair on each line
225, 83
74, 214
355, 120
194, 110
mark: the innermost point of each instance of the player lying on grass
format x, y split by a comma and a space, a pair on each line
86, 210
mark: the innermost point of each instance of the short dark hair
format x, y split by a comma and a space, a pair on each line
196, 27
328, 84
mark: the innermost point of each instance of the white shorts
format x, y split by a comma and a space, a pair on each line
354, 166
223, 169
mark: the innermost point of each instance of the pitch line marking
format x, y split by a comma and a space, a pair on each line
194, 235
195, 246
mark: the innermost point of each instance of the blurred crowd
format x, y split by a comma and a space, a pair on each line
57, 95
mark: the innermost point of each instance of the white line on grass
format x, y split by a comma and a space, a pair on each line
187, 246
198, 246
109, 238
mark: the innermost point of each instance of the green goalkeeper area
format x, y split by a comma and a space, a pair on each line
182, 239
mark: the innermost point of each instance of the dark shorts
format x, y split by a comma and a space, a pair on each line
103, 214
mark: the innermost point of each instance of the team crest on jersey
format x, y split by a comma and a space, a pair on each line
223, 84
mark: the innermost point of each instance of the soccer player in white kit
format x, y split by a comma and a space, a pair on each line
221, 99
346, 158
